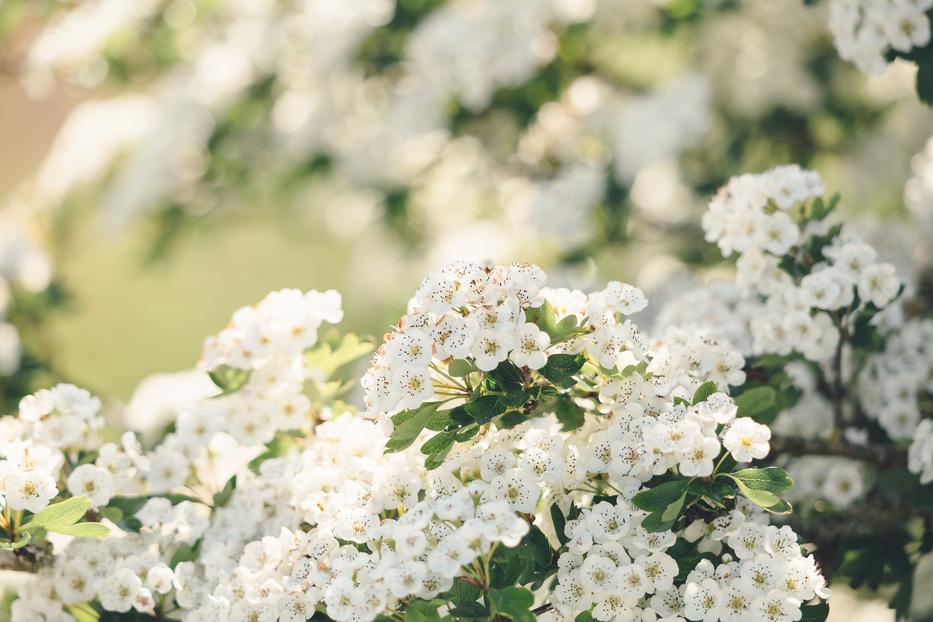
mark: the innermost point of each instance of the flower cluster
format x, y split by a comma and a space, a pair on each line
811, 276
480, 311
260, 354
616, 569
541, 398
50, 428
864, 30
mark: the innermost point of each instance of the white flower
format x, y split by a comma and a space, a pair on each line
409, 348
703, 601
160, 578
747, 440
491, 348
597, 573
661, 569
414, 386
879, 284
776, 606
29, 490
737, 599
119, 590
530, 345
632, 581
93, 482
697, 458
518, 488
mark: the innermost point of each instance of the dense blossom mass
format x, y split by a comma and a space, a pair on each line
523, 450
864, 30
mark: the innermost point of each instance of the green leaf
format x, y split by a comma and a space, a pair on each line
704, 391
570, 415
462, 592
329, 358
814, 613
484, 408
755, 402
471, 610
82, 614
437, 449
658, 498
229, 379
925, 76
511, 566
82, 530
408, 425
558, 331
61, 514
560, 369
513, 602
764, 486
423, 611
664, 502
460, 367
508, 378
184, 553
222, 497
557, 517
438, 442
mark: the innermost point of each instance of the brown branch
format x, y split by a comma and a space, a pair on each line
542, 609
881, 457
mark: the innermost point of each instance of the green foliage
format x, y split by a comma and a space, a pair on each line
408, 424
570, 415
764, 487
814, 613
561, 368
704, 391
334, 351
757, 403
512, 602
229, 379
546, 318
663, 503
221, 498
62, 514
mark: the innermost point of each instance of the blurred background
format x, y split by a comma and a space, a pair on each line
167, 161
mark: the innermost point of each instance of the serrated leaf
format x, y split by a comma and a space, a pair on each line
407, 425
560, 523
513, 602
558, 331
508, 378
484, 408
560, 369
462, 592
